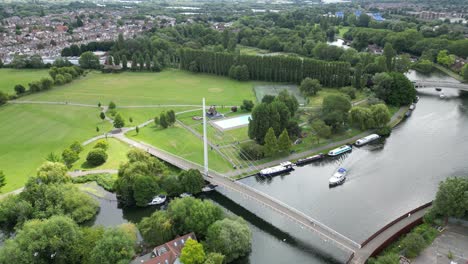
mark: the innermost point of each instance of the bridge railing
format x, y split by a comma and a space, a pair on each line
387, 226
310, 219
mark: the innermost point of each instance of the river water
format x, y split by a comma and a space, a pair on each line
385, 180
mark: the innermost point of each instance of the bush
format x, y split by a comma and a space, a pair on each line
350, 91
19, 89
102, 144
251, 151
106, 180
384, 131
96, 157
412, 245
247, 105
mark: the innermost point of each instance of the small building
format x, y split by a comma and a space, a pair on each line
169, 252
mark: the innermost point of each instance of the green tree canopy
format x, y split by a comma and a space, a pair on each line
192, 253
89, 61
157, 229
284, 143
115, 246
118, 121
231, 238
271, 143
191, 181
310, 86
452, 198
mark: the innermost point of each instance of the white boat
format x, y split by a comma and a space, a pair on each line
442, 95
412, 107
283, 167
338, 178
185, 195
365, 140
159, 199
340, 150
209, 188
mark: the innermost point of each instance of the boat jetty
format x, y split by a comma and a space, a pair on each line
282, 168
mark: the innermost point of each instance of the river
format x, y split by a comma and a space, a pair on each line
385, 180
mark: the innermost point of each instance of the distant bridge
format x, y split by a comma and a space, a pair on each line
442, 85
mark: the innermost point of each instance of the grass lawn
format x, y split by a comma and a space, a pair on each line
141, 115
181, 142
30, 132
316, 101
116, 154
146, 88
342, 31
11, 77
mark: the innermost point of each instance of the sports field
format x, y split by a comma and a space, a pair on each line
146, 88
30, 132
11, 77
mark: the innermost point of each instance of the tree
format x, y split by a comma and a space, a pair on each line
284, 143
137, 130
96, 157
412, 245
52, 172
389, 53
231, 238
335, 110
380, 115
89, 61
464, 72
394, 88
157, 229
191, 181
76, 146
171, 117
192, 253
102, 115
163, 120
310, 86
3, 98
112, 105
117, 59
193, 215
118, 121
124, 62
363, 20
402, 63
115, 246
102, 144
452, 198
361, 117
445, 59
46, 83
2, 179
69, 157
19, 89
156, 121
247, 105
321, 128
214, 258
424, 66
271, 143
43, 241
130, 119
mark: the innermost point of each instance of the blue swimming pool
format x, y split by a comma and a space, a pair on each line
233, 122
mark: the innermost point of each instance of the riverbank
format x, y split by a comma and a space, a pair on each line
449, 72
240, 174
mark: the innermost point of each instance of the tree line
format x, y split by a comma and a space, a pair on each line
267, 68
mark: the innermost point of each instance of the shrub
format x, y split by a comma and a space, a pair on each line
96, 157
251, 151
102, 144
350, 91
19, 89
384, 131
247, 105
412, 245
106, 180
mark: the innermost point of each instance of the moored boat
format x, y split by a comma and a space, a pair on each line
209, 188
442, 95
310, 159
185, 194
338, 177
282, 168
339, 151
412, 107
157, 200
408, 113
365, 140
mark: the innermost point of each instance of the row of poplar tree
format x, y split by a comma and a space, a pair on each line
267, 68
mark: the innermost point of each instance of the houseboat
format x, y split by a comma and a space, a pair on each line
310, 159
282, 168
209, 188
339, 151
338, 177
365, 140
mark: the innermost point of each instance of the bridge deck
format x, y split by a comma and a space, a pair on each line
435, 84
322, 230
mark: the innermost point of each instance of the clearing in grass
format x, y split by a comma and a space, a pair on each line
11, 77
30, 132
170, 87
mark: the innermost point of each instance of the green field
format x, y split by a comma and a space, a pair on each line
29, 132
145, 88
117, 154
181, 142
143, 114
316, 101
11, 77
